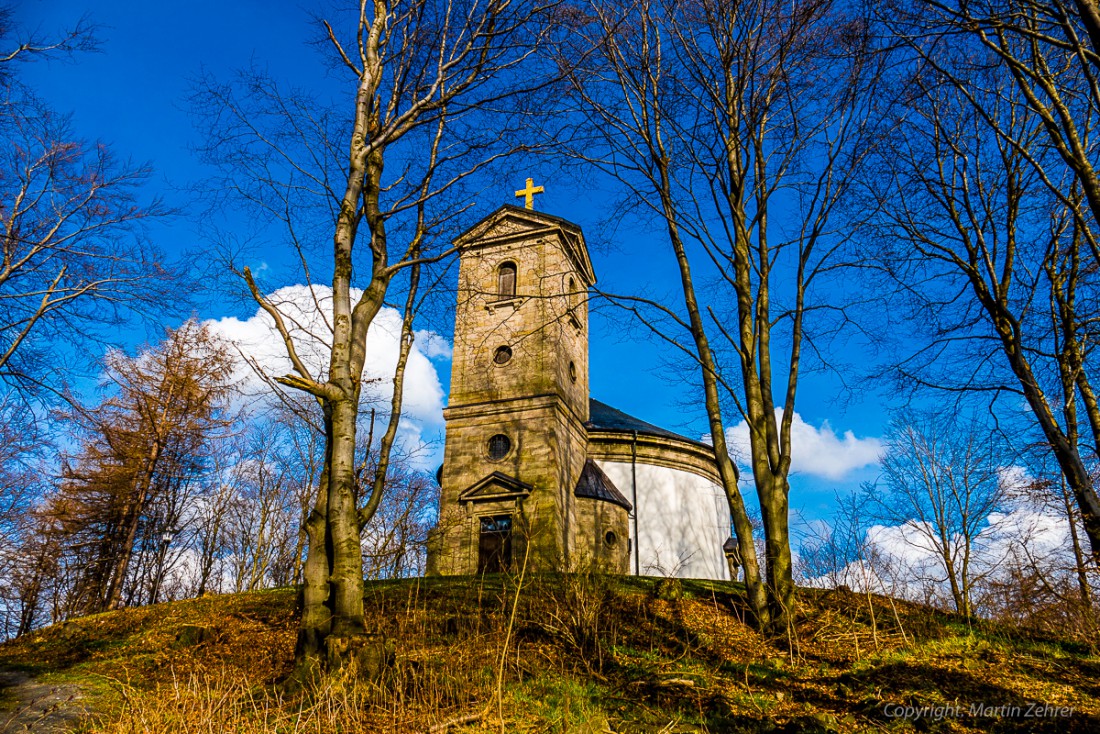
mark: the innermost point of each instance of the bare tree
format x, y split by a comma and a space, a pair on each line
72, 265
205, 527
379, 181
981, 231
1048, 580
23, 561
261, 517
396, 543
72, 259
19, 45
941, 480
736, 127
1048, 51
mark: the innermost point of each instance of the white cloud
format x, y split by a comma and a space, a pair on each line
307, 313
816, 451
1014, 479
433, 345
903, 560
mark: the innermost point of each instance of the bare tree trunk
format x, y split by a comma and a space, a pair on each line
1090, 17
346, 578
134, 508
316, 611
1079, 559
727, 470
775, 513
385, 450
1065, 450
31, 595
950, 566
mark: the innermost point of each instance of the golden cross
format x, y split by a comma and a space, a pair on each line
528, 194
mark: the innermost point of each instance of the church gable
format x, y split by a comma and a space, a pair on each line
494, 487
505, 224
513, 223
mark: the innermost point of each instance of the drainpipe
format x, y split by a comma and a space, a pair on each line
634, 489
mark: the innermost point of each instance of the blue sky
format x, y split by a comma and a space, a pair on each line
133, 95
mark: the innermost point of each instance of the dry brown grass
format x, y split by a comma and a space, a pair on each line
584, 654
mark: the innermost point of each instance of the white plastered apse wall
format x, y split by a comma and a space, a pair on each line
683, 520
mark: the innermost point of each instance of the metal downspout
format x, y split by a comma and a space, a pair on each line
634, 489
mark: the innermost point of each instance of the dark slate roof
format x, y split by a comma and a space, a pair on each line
596, 485
730, 545
602, 417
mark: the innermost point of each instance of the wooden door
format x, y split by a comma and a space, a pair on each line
494, 549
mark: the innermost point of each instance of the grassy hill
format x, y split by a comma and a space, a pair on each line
579, 654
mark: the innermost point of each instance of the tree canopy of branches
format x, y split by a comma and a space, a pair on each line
71, 257
378, 177
736, 126
20, 46
987, 204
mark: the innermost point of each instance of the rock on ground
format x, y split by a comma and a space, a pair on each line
29, 706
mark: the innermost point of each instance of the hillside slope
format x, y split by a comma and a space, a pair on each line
582, 654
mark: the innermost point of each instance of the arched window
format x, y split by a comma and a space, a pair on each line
506, 280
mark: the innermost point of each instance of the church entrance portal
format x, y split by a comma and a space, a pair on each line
495, 544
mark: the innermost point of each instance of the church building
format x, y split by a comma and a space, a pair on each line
535, 471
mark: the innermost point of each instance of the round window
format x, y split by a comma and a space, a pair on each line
610, 538
502, 355
499, 446
572, 371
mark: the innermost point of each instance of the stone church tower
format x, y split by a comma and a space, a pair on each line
534, 470
516, 480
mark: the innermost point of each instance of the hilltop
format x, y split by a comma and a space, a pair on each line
569, 654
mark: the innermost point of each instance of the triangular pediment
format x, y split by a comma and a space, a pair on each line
510, 223
494, 487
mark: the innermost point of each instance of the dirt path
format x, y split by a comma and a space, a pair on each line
29, 706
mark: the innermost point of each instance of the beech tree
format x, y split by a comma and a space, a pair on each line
378, 178
735, 126
941, 480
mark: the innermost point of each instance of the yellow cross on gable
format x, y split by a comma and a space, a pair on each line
528, 194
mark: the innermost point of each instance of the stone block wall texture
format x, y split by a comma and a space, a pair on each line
601, 537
